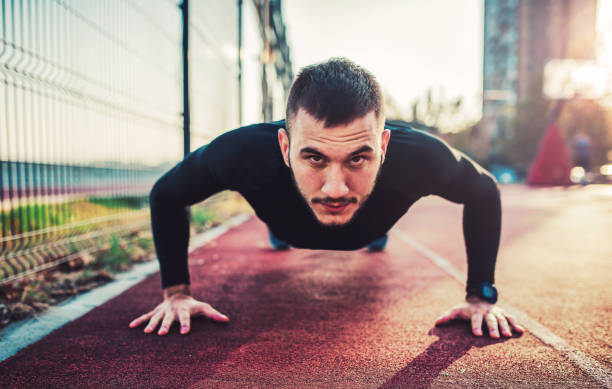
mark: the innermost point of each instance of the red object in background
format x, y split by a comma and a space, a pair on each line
552, 163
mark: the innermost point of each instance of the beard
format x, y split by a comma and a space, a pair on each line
335, 226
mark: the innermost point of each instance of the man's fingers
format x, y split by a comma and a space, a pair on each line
492, 324
447, 316
166, 324
503, 325
184, 319
140, 319
153, 322
212, 313
181, 311
514, 323
477, 324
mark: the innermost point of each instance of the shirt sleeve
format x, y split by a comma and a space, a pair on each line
188, 182
459, 179
245, 159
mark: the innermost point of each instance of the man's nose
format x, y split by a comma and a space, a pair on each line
335, 183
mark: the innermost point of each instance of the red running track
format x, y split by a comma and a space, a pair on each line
353, 319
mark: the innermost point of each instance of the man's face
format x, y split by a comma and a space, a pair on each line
335, 168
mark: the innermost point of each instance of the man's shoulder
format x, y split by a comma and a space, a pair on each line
253, 141
246, 157
415, 141
416, 160
249, 136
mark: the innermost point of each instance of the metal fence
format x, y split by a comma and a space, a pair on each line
86, 86
90, 115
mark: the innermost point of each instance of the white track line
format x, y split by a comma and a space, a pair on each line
18, 336
590, 366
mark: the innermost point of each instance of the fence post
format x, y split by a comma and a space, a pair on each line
186, 122
240, 62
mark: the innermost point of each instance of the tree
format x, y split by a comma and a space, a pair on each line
432, 110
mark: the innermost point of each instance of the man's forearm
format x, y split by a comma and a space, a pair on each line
170, 227
465, 182
481, 231
188, 182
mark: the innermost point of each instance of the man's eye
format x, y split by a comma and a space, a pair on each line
315, 159
357, 160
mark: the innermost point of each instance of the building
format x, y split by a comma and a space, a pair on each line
520, 37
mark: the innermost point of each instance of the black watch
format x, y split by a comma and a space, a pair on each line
484, 290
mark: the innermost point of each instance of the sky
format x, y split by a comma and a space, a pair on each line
410, 46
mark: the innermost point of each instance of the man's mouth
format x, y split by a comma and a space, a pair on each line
335, 207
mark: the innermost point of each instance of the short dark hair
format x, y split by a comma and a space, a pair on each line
337, 91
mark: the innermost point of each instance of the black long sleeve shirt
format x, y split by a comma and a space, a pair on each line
249, 160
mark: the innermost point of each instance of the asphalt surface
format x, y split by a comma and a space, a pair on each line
328, 319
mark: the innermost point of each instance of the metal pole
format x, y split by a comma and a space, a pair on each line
186, 122
265, 21
240, 62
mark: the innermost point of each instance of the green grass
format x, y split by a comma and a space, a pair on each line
126, 202
145, 243
116, 259
35, 291
86, 273
32, 217
201, 216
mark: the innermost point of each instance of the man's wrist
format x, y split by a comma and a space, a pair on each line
176, 289
484, 291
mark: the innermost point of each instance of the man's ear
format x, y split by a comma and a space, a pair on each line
386, 135
283, 141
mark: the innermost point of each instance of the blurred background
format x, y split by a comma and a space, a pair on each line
99, 97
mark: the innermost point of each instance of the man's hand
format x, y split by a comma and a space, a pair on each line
478, 310
177, 305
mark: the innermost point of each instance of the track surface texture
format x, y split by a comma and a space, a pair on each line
330, 319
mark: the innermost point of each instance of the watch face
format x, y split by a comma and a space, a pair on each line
484, 290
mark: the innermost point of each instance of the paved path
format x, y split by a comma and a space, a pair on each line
353, 319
